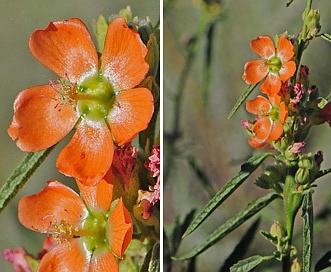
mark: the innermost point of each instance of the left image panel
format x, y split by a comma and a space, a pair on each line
80, 136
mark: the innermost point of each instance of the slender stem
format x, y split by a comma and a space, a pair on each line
303, 35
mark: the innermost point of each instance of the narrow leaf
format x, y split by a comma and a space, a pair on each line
322, 173
307, 214
324, 262
254, 207
241, 248
267, 235
242, 99
154, 264
249, 264
246, 169
326, 37
21, 174
289, 2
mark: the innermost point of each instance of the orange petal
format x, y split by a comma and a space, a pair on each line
285, 49
262, 129
104, 261
123, 58
253, 143
263, 46
275, 100
99, 195
258, 105
66, 48
54, 203
132, 111
287, 70
276, 131
283, 112
271, 86
120, 229
66, 257
39, 121
254, 71
89, 154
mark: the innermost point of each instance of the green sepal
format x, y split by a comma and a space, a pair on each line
21, 174
100, 30
246, 169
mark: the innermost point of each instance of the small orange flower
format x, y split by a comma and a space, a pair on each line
276, 64
95, 94
90, 230
268, 124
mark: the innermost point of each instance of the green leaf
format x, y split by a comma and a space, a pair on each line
289, 2
322, 173
154, 264
254, 207
307, 214
269, 237
242, 247
246, 169
21, 174
324, 262
242, 99
326, 37
249, 264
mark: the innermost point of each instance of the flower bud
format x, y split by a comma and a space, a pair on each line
296, 266
306, 161
273, 175
277, 230
313, 23
302, 176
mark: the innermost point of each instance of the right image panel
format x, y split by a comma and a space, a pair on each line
246, 125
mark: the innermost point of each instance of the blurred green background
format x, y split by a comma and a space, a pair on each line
218, 145
19, 70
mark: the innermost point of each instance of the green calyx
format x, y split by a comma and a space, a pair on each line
274, 64
95, 97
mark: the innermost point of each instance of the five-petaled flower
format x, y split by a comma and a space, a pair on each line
95, 94
275, 64
90, 229
270, 117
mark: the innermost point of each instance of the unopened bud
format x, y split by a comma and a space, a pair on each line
313, 23
302, 176
296, 266
277, 230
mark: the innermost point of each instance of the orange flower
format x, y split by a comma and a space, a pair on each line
276, 64
268, 124
90, 230
95, 94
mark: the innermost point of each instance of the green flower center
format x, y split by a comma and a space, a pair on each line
274, 113
274, 64
92, 230
95, 96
